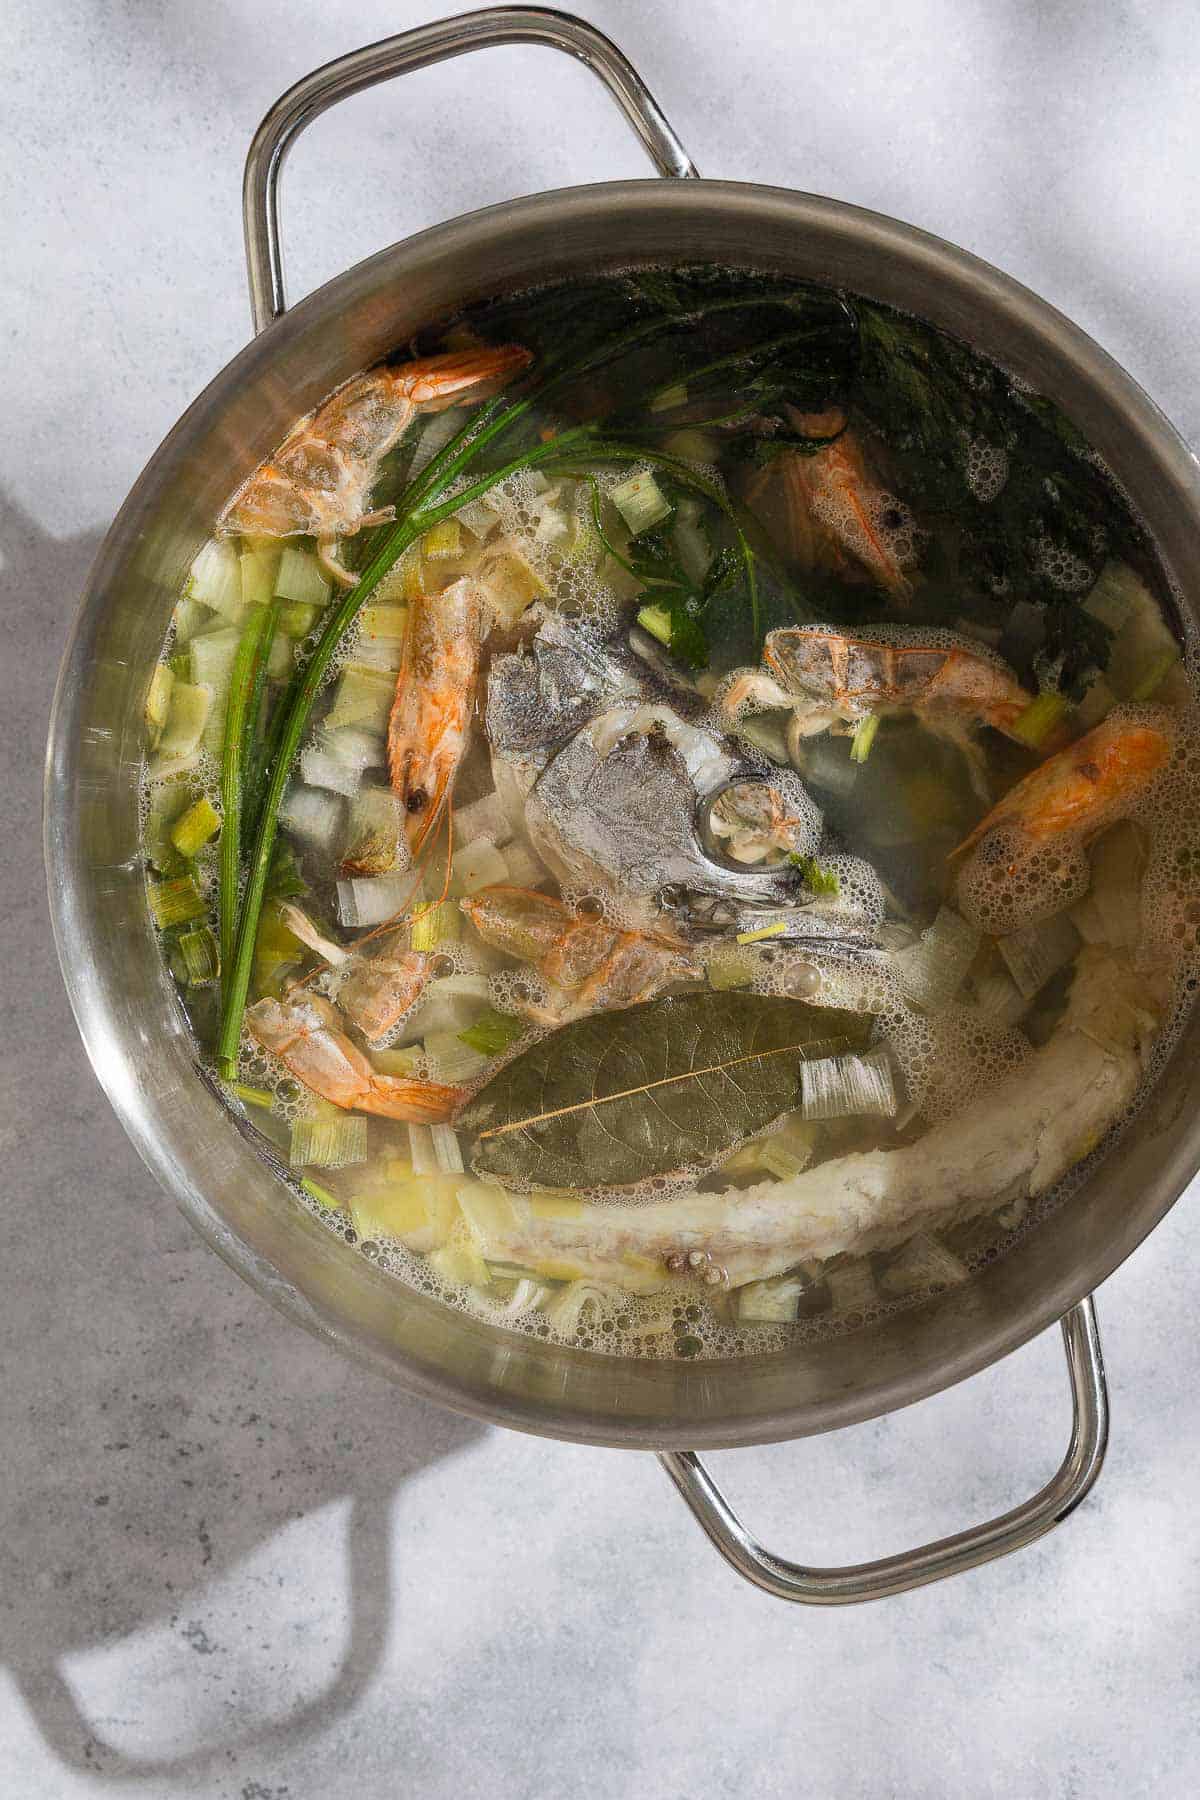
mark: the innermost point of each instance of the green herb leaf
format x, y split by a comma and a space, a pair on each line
818, 880
618, 1097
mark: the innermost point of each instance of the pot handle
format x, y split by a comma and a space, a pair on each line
397, 55
948, 1556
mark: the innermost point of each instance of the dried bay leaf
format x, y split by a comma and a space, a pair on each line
614, 1098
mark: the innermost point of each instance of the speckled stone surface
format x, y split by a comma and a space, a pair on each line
233, 1567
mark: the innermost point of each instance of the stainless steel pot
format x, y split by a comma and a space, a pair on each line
123, 1001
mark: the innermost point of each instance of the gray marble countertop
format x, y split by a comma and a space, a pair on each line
235, 1567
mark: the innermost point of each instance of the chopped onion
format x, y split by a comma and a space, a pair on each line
1037, 952
320, 770
476, 866
931, 971
313, 815
845, 1087
372, 899
483, 818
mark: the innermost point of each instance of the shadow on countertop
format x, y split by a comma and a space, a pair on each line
160, 1424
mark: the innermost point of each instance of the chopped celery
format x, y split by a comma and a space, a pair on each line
252, 1096
436, 923
258, 567
1154, 674
442, 540
640, 502
186, 719
158, 701
728, 968
373, 899
476, 866
511, 579
763, 931
374, 832
773, 1302
196, 827
845, 1087
363, 699
321, 1195
301, 578
215, 578
297, 618
450, 1059
492, 1033
384, 621
1041, 719
176, 902
328, 1143
817, 880
657, 621
1036, 952
420, 1211
864, 737
200, 956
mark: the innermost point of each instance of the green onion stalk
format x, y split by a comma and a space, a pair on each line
421, 506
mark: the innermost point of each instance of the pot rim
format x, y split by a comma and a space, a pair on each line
998, 1333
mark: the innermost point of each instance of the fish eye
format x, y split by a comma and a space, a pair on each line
417, 801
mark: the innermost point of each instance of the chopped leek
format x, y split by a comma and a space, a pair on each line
363, 699
640, 502
312, 814
446, 1149
1144, 650
436, 923
657, 621
1154, 674
492, 1033
845, 1087
442, 540
328, 1143
301, 578
932, 971
999, 999
864, 737
215, 578
196, 827
692, 446
200, 956
188, 618
1113, 596
384, 621
372, 899
476, 866
461, 1265
451, 1003
669, 398
421, 1150
176, 902
187, 717
374, 833
297, 618
158, 701
1041, 719
213, 655
360, 750
1096, 704
258, 570
1036, 952
167, 802
452, 1060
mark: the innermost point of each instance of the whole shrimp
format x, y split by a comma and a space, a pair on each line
835, 511
587, 964
435, 691
318, 481
303, 1032
378, 985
